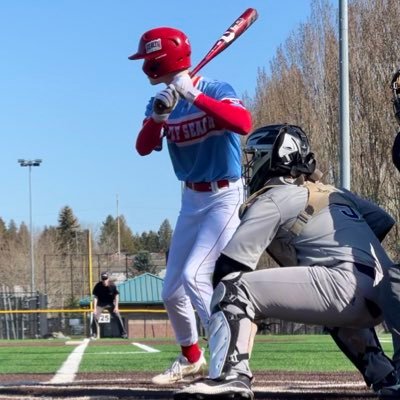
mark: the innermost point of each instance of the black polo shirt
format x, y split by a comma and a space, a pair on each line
105, 294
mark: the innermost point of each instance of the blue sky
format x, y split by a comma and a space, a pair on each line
70, 96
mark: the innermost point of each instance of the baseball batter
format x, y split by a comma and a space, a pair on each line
333, 263
201, 120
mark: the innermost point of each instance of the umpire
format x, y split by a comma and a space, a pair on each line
106, 296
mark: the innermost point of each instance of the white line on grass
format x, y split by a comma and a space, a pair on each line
70, 366
146, 348
116, 352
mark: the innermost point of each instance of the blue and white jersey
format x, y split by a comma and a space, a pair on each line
200, 150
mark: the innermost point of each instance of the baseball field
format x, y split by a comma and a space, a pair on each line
285, 367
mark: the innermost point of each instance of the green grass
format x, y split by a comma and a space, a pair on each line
27, 359
133, 358
304, 353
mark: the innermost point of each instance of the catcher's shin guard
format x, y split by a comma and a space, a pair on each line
362, 348
231, 328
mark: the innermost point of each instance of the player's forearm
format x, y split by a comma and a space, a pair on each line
225, 114
149, 137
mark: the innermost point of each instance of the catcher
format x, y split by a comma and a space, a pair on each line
327, 239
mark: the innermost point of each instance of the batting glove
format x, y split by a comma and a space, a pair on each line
184, 86
164, 102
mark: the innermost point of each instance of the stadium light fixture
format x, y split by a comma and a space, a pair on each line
30, 164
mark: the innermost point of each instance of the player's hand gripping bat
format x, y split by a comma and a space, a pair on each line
231, 34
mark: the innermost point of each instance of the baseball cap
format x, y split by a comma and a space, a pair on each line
104, 276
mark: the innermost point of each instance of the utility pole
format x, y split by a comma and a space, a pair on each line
118, 233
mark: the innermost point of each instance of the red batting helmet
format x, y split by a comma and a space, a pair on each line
164, 50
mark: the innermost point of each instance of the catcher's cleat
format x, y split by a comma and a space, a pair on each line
389, 392
233, 387
388, 388
180, 369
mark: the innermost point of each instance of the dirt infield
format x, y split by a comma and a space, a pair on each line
267, 386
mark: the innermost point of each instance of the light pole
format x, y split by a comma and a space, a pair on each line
344, 107
30, 164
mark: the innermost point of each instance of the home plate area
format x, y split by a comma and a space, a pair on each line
135, 386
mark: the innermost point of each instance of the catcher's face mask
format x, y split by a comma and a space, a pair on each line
257, 152
276, 150
395, 86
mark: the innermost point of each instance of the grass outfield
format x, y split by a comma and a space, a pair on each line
302, 353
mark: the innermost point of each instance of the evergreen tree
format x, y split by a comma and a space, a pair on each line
108, 240
137, 243
23, 237
128, 244
3, 235
150, 242
164, 235
9, 238
48, 240
3, 228
143, 262
67, 230
12, 230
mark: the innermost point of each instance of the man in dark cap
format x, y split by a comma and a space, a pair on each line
106, 296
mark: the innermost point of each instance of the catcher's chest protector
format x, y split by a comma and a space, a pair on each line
319, 197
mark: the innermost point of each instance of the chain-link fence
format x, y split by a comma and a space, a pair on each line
63, 283
18, 320
66, 278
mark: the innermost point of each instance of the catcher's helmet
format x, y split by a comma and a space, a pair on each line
276, 150
164, 50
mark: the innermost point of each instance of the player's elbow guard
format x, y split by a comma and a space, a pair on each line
226, 265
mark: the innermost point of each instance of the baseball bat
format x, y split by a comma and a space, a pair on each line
240, 25
230, 35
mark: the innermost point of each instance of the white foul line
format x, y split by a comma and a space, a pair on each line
70, 366
147, 348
